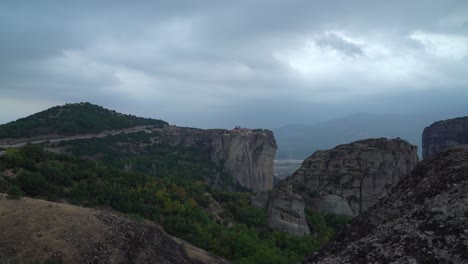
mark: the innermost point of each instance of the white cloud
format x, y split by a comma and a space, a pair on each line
381, 66
447, 46
229, 57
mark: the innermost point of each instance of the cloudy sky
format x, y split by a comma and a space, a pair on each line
245, 62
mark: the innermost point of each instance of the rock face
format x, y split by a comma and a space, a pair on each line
444, 134
350, 178
423, 220
286, 212
245, 155
37, 231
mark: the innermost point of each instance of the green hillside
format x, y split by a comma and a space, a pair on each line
180, 204
73, 119
171, 185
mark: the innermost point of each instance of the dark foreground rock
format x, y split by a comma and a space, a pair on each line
444, 134
36, 231
423, 220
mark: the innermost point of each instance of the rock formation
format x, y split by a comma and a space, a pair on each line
423, 219
350, 178
37, 231
244, 154
444, 134
286, 212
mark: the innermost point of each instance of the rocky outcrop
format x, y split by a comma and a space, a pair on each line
444, 134
286, 212
423, 220
245, 155
37, 231
350, 178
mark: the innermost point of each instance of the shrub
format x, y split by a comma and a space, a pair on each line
14, 193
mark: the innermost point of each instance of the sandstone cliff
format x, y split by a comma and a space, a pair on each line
37, 231
350, 178
245, 155
444, 134
286, 212
423, 220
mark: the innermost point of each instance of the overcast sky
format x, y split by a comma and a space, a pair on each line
225, 63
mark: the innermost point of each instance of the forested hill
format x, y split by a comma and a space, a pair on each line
73, 119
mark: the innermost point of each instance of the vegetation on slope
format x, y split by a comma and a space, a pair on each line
73, 119
180, 204
135, 152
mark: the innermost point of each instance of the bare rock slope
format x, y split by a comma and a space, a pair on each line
423, 220
33, 231
350, 178
444, 134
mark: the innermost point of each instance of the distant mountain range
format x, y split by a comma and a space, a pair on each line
298, 141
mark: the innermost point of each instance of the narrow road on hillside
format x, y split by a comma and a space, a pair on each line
23, 142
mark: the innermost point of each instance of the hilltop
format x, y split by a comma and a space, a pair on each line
73, 119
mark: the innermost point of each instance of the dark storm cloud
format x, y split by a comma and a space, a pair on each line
205, 63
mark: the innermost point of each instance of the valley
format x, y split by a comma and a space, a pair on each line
285, 167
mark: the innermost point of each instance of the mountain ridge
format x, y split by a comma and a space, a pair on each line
73, 119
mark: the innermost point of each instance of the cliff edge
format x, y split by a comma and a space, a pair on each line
246, 155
